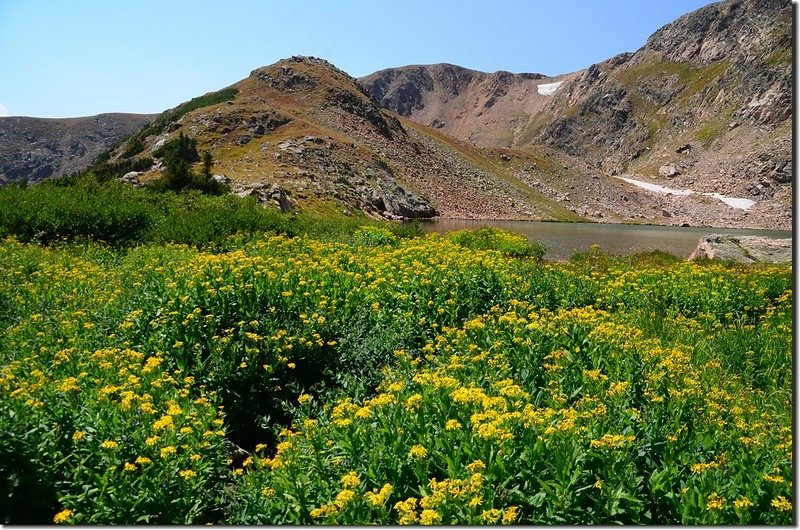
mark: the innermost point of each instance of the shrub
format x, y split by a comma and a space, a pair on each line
491, 238
374, 236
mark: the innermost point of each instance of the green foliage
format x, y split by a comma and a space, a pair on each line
377, 379
206, 100
181, 148
178, 155
491, 238
133, 147
109, 212
373, 236
82, 208
105, 171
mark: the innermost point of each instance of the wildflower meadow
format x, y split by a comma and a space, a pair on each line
386, 379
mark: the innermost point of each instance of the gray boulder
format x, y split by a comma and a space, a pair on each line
279, 197
132, 178
669, 170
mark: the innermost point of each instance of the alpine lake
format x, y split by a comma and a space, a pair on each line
565, 239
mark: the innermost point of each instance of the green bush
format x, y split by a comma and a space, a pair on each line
374, 236
491, 238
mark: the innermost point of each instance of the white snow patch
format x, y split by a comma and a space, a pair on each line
733, 202
3, 111
742, 204
656, 188
548, 89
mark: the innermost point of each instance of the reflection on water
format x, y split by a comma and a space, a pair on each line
564, 239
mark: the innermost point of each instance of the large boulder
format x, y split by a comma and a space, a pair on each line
132, 178
744, 249
669, 170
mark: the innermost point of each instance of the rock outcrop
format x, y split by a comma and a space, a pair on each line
744, 249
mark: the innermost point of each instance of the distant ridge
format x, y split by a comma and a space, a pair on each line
35, 149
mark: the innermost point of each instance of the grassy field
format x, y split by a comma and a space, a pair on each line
375, 377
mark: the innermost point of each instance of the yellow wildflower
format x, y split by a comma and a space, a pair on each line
109, 444
129, 467
418, 451
163, 422
510, 515
476, 466
187, 474
715, 502
62, 516
344, 497
430, 517
491, 516
781, 503
413, 401
452, 425
377, 498
350, 481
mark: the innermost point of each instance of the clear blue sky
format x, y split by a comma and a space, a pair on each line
61, 58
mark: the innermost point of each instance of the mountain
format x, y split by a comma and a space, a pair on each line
304, 131
705, 104
694, 128
35, 149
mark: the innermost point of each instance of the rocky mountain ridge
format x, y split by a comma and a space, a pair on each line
35, 149
705, 104
692, 129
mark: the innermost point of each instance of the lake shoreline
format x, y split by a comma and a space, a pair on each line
563, 239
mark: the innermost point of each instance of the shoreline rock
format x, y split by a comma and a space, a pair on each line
744, 249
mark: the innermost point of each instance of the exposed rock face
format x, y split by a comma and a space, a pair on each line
132, 178
486, 109
744, 249
35, 149
714, 86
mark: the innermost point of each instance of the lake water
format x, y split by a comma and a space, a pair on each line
564, 239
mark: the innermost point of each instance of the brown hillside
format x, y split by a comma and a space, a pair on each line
310, 129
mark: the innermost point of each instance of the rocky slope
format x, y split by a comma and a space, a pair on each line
695, 128
302, 131
35, 149
704, 105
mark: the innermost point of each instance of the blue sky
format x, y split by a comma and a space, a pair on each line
61, 58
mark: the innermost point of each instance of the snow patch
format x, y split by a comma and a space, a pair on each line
742, 204
733, 202
548, 89
656, 188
